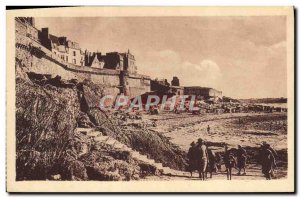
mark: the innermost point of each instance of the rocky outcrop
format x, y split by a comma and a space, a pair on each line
45, 121
138, 137
49, 109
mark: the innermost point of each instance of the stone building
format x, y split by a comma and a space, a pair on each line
114, 60
111, 60
67, 50
177, 90
74, 54
129, 62
202, 92
94, 59
162, 85
58, 56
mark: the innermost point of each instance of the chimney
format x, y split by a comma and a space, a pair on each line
63, 40
45, 33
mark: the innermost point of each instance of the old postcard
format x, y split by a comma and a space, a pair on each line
150, 99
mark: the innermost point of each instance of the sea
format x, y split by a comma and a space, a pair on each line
282, 105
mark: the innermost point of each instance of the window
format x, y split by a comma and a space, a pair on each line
74, 61
67, 58
74, 53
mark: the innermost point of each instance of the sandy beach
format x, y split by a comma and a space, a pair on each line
246, 129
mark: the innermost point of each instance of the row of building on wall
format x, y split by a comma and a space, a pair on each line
70, 51
163, 86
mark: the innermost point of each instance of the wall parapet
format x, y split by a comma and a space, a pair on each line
139, 76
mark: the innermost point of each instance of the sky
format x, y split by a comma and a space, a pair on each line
244, 57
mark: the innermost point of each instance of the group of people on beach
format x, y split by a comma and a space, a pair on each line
204, 160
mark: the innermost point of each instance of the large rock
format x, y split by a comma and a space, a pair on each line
45, 121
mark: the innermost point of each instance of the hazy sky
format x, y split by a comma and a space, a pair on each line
242, 56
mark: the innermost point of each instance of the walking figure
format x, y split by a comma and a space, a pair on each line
192, 158
241, 159
212, 162
208, 129
202, 158
219, 161
267, 160
229, 161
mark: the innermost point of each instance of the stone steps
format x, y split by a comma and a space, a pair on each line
98, 137
110, 141
118, 145
126, 148
101, 138
94, 134
84, 130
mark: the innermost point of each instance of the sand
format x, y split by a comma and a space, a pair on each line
245, 129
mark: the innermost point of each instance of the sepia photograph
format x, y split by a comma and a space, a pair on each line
143, 99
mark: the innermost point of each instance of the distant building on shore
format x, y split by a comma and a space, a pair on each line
175, 81
177, 90
202, 92
162, 85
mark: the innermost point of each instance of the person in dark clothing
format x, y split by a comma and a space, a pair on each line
219, 161
192, 158
229, 161
274, 152
267, 161
208, 129
271, 149
241, 159
212, 162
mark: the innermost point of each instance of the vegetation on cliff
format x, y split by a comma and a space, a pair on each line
47, 112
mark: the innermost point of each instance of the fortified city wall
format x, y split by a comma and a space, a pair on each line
39, 59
